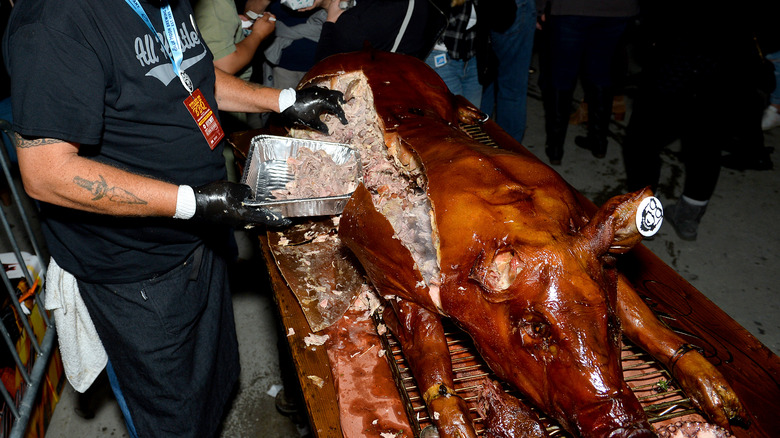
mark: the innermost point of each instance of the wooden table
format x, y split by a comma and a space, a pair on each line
752, 369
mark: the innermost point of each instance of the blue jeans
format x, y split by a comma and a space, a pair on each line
774, 98
120, 398
507, 96
587, 42
460, 76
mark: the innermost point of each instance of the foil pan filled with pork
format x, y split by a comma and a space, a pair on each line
301, 178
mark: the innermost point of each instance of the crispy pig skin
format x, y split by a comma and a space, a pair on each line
523, 270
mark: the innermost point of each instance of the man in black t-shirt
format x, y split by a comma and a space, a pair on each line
114, 106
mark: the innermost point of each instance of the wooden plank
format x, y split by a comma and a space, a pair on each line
321, 402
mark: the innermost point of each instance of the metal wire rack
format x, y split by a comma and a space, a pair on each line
652, 384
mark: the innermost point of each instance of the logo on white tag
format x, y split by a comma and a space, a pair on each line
649, 216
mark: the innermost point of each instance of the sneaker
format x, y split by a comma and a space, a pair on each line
685, 218
771, 118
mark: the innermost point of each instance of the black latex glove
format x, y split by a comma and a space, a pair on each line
311, 102
222, 202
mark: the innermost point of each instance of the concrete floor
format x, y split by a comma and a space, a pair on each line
734, 262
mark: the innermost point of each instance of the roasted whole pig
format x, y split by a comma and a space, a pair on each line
497, 242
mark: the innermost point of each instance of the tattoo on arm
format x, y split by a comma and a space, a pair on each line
22, 142
100, 189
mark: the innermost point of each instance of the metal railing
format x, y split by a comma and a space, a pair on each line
33, 372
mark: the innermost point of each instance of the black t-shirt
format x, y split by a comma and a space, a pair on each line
376, 22
92, 72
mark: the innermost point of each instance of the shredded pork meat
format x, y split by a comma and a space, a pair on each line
316, 175
396, 182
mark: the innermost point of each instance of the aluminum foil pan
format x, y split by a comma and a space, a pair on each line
267, 170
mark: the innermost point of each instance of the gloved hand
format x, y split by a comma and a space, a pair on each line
222, 202
311, 102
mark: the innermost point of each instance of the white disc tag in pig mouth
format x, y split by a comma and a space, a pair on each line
649, 216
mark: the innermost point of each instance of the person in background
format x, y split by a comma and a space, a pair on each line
581, 35
232, 45
233, 49
454, 57
771, 116
123, 151
768, 38
699, 57
390, 25
292, 50
747, 149
506, 96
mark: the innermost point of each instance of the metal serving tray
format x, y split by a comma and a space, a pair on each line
266, 170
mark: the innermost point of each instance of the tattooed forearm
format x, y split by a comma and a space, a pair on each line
100, 189
22, 142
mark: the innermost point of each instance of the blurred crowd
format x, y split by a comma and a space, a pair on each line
708, 75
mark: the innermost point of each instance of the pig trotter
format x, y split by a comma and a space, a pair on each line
505, 416
707, 388
448, 412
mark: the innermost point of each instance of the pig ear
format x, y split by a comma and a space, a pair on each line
615, 228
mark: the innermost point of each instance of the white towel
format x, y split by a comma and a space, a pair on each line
83, 355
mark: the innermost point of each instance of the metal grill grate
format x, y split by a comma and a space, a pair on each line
650, 382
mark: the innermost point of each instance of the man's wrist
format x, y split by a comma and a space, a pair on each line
286, 99
185, 203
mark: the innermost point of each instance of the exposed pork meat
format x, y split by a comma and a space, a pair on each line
316, 175
390, 172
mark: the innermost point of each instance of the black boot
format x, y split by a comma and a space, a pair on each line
599, 111
684, 218
557, 109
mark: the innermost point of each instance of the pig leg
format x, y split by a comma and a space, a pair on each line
706, 386
425, 347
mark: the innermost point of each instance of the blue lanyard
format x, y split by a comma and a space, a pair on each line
171, 34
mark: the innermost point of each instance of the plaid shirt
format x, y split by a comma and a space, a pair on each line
459, 40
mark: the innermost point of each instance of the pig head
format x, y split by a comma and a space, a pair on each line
520, 267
